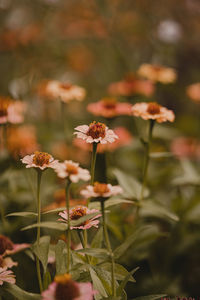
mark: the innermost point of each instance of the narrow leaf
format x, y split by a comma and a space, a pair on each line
23, 214
50, 225
19, 293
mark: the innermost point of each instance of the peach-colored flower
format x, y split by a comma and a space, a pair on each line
41, 160
96, 132
109, 108
101, 190
65, 91
153, 111
7, 247
7, 262
157, 73
79, 211
193, 91
6, 276
11, 111
71, 170
64, 287
184, 147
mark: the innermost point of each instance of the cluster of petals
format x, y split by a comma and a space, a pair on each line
71, 170
11, 111
79, 211
101, 190
157, 73
153, 111
95, 133
109, 108
7, 247
41, 160
186, 147
6, 276
193, 91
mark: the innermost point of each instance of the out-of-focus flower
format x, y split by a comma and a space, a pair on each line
101, 190
64, 287
109, 108
96, 132
193, 91
21, 141
61, 150
41, 160
11, 111
186, 147
153, 111
79, 211
80, 58
157, 73
6, 276
7, 262
71, 170
169, 31
7, 247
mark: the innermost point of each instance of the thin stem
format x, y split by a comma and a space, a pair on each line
80, 234
93, 163
107, 242
68, 223
39, 176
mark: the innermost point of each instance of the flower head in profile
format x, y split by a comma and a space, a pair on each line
64, 288
101, 190
153, 111
109, 108
11, 111
193, 92
7, 247
157, 73
79, 211
96, 132
41, 160
71, 170
6, 276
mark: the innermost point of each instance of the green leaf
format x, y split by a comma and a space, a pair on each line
61, 257
56, 210
97, 243
120, 271
23, 214
84, 218
46, 280
189, 174
150, 297
105, 278
110, 202
124, 282
97, 285
96, 252
42, 251
50, 225
19, 293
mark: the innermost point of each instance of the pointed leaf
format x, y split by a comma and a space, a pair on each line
23, 214
96, 252
50, 225
124, 282
97, 284
42, 250
61, 257
56, 210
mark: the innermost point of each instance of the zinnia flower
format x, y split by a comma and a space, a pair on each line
64, 288
7, 262
157, 73
109, 108
79, 211
72, 170
193, 91
101, 190
41, 160
96, 132
7, 247
11, 111
153, 111
6, 276
186, 147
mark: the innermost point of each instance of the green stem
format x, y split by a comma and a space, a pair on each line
39, 177
82, 240
68, 223
93, 163
107, 242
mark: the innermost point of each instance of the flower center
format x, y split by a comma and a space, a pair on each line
77, 212
109, 103
66, 288
5, 244
157, 68
66, 86
97, 130
153, 108
4, 108
71, 169
41, 158
101, 188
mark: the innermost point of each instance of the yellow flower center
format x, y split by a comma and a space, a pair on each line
97, 130
66, 288
153, 108
101, 188
71, 169
5, 244
109, 103
41, 158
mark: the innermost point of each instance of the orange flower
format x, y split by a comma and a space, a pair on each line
193, 91
157, 73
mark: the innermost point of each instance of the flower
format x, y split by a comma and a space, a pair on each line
11, 111
78, 212
41, 160
193, 91
157, 73
101, 190
6, 276
65, 91
64, 288
7, 247
186, 147
153, 111
72, 170
96, 132
109, 108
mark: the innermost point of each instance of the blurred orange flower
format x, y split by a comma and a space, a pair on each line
186, 147
193, 91
157, 73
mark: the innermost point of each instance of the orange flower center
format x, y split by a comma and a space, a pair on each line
4, 107
101, 188
109, 103
66, 86
157, 68
153, 108
78, 212
66, 288
71, 169
41, 158
97, 130
5, 244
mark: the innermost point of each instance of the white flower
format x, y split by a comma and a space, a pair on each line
41, 160
101, 190
72, 170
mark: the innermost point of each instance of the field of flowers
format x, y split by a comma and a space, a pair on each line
99, 149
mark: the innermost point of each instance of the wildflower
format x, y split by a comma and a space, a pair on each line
64, 288
11, 111
109, 108
41, 160
193, 91
96, 132
153, 111
7, 247
157, 73
78, 212
6, 276
72, 170
101, 190
186, 147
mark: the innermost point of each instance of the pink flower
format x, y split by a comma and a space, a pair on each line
193, 91
11, 111
96, 132
101, 190
186, 147
6, 276
109, 108
64, 287
157, 73
78, 212
153, 111
41, 160
7, 247
72, 170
